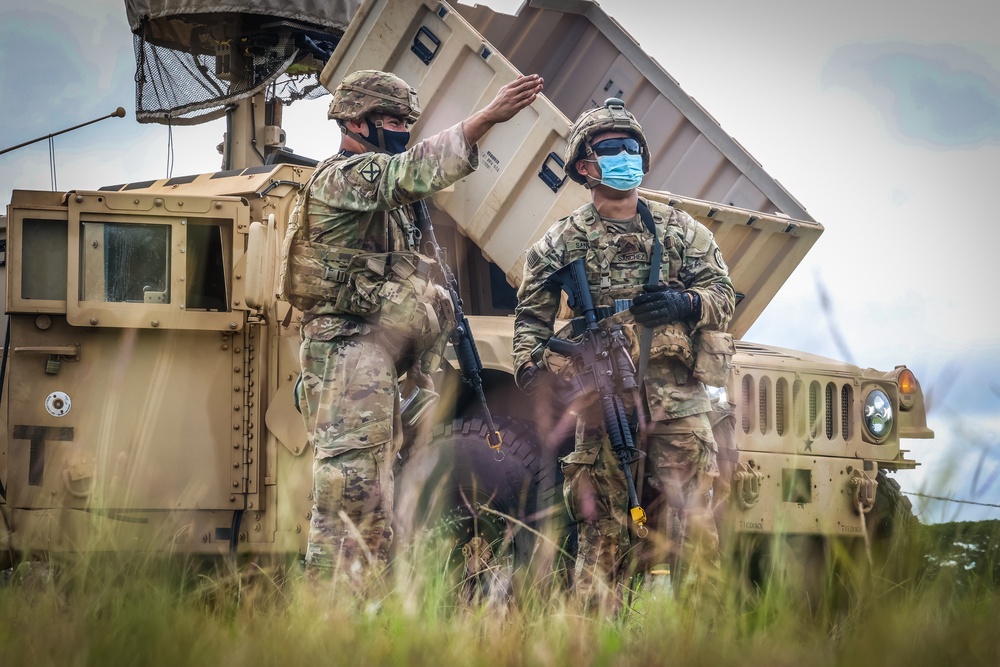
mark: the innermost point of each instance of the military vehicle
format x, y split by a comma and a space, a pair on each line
150, 369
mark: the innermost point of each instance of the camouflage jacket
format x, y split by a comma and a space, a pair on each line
361, 202
617, 264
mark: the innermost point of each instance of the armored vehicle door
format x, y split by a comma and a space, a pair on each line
127, 374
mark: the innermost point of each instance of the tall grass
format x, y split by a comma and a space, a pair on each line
115, 609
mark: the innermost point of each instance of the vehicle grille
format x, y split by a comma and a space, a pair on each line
809, 410
846, 400
780, 407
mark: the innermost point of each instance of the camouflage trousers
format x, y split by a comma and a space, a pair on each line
350, 403
674, 482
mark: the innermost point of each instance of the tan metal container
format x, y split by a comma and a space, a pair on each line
520, 188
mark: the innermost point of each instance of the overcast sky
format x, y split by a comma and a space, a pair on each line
881, 118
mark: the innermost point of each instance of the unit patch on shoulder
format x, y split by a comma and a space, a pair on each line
718, 260
370, 171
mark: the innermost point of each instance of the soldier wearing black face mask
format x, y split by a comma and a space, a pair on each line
372, 304
380, 136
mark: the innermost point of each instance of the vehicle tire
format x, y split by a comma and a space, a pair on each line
891, 518
793, 564
455, 485
892, 532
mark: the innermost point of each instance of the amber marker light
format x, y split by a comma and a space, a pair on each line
907, 388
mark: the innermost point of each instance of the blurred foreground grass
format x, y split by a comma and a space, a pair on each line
107, 609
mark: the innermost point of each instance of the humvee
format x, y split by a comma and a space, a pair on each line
149, 368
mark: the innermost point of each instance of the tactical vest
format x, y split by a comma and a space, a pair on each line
618, 266
395, 290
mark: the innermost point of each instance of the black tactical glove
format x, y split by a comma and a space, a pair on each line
659, 305
528, 378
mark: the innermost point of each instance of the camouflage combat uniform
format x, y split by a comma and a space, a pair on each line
350, 362
680, 460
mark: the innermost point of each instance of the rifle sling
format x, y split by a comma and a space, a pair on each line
646, 337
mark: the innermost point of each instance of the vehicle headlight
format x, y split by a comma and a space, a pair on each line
878, 414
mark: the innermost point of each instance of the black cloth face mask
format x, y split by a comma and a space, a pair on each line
393, 142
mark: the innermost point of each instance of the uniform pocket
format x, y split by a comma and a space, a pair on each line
579, 489
689, 461
328, 485
587, 458
672, 340
366, 294
714, 358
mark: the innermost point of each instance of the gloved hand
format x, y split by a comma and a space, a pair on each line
529, 378
546, 389
659, 305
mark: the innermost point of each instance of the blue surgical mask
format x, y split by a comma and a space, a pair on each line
621, 172
395, 142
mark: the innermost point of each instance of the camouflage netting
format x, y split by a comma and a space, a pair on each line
194, 58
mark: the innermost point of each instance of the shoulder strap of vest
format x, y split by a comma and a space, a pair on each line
304, 195
680, 218
588, 220
657, 257
683, 233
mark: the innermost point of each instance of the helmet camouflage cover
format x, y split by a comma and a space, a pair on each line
372, 91
610, 117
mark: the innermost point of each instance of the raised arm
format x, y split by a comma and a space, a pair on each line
511, 98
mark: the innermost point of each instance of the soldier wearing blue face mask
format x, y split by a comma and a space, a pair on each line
619, 161
679, 288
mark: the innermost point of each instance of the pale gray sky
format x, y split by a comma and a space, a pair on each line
882, 118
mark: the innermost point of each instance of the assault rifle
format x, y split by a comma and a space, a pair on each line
461, 338
605, 368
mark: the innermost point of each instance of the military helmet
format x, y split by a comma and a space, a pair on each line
372, 91
611, 116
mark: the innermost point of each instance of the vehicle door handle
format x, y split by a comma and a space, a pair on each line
72, 350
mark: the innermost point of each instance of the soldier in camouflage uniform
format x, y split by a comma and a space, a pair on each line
608, 154
372, 305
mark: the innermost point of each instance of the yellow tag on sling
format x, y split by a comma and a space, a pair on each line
638, 515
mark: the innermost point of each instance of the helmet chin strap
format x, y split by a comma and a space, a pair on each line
364, 141
589, 181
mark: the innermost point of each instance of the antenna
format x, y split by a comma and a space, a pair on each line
117, 113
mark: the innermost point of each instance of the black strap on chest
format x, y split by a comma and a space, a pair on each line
646, 339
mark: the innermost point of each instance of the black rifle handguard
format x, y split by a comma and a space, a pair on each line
605, 368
